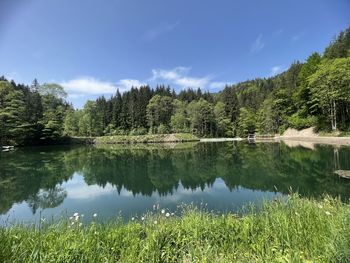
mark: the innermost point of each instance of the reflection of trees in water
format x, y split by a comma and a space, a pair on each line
47, 198
26, 171
35, 175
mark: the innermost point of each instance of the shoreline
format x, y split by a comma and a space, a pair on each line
316, 139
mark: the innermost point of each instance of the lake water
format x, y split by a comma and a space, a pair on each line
128, 180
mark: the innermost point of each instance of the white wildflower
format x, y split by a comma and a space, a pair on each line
80, 224
75, 214
172, 214
94, 215
76, 218
167, 214
73, 223
71, 218
133, 218
163, 211
328, 213
142, 218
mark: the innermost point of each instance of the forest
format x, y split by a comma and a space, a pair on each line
315, 93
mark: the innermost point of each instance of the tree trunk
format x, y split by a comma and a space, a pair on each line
334, 116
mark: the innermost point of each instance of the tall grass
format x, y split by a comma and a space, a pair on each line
147, 138
288, 230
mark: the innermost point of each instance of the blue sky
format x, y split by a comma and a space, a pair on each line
93, 47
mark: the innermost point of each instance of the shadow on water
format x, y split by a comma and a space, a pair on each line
36, 176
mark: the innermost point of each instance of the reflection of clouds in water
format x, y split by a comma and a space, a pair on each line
182, 193
78, 189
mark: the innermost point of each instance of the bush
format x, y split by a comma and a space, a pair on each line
138, 131
162, 129
298, 122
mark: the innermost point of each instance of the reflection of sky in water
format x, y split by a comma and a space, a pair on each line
108, 203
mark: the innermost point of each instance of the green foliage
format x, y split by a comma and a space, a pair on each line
202, 117
330, 86
26, 117
159, 111
299, 122
340, 47
247, 122
289, 230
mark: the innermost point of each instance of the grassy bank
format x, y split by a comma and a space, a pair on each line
148, 138
293, 230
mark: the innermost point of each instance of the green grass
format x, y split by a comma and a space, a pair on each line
335, 134
148, 138
289, 230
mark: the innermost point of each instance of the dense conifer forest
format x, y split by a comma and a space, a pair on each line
314, 93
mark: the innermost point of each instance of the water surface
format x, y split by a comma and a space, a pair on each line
128, 180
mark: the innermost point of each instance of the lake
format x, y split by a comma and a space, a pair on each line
127, 181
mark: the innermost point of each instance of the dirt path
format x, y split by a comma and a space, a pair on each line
308, 135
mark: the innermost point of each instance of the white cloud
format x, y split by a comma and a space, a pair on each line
79, 87
257, 45
219, 84
160, 30
179, 76
126, 84
275, 70
89, 85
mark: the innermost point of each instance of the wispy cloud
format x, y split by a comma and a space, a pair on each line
219, 84
297, 36
179, 76
12, 76
257, 45
160, 30
275, 70
278, 32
